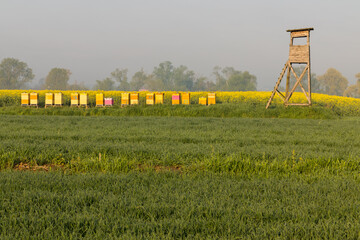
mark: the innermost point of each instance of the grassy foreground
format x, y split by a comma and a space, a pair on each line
176, 206
242, 146
176, 177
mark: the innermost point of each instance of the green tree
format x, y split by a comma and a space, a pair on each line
200, 84
120, 75
333, 82
77, 86
354, 90
162, 77
57, 79
220, 79
106, 85
138, 81
229, 79
14, 74
167, 77
183, 79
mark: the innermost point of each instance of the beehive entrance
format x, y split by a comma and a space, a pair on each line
298, 54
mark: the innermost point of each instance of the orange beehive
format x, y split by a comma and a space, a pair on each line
125, 99
134, 98
185, 98
150, 99
34, 99
175, 100
74, 99
100, 99
25, 99
202, 101
159, 98
211, 98
49, 99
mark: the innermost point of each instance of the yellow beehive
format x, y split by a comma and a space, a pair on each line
125, 99
211, 98
185, 98
159, 98
74, 99
175, 99
49, 99
34, 99
25, 99
100, 99
83, 99
134, 98
150, 99
202, 101
58, 99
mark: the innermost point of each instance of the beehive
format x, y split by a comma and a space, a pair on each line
49, 99
125, 99
58, 99
185, 98
202, 101
109, 101
150, 99
159, 98
25, 99
99, 99
211, 98
74, 99
134, 98
175, 100
83, 99
34, 99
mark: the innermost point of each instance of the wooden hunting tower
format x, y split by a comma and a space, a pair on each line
298, 54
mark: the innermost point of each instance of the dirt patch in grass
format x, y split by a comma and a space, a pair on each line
44, 168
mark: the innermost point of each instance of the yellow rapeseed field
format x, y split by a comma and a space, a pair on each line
12, 97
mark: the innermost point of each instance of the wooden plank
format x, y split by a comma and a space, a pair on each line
299, 34
287, 82
281, 95
277, 84
299, 29
299, 54
297, 104
309, 74
305, 93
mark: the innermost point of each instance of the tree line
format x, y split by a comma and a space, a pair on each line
15, 74
167, 77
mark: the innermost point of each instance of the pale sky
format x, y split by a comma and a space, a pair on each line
93, 38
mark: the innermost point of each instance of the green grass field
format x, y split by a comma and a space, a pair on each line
261, 146
178, 177
176, 206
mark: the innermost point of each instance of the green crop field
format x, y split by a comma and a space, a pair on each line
176, 206
148, 177
191, 144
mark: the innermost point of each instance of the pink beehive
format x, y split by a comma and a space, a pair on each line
175, 99
109, 101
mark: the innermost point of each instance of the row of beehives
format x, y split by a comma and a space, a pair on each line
82, 99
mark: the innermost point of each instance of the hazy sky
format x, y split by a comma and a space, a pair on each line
93, 38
